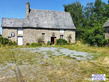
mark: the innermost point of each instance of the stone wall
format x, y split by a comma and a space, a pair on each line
31, 35
106, 32
6, 32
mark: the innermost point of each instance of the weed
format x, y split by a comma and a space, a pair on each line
35, 67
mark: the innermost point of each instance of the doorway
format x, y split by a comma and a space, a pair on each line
53, 40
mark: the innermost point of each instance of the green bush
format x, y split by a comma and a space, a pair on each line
61, 41
5, 41
27, 44
10, 43
106, 42
51, 43
39, 40
39, 44
33, 44
14, 43
94, 36
36, 44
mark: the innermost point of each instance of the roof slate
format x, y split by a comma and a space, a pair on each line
42, 19
12, 22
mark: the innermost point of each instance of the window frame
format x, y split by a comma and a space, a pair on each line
61, 31
20, 30
9, 38
61, 36
43, 36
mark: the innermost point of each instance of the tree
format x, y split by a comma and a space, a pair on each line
76, 11
106, 11
89, 20
99, 10
89, 15
94, 36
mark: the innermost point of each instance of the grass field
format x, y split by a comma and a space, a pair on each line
22, 65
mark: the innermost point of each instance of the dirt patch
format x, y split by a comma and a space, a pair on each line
106, 61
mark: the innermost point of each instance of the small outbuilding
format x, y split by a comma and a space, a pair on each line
106, 28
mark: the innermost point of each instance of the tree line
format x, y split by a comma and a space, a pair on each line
89, 21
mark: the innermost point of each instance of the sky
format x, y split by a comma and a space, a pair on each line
16, 8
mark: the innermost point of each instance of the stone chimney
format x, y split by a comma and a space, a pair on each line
27, 8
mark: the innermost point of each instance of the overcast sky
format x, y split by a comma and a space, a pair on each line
16, 8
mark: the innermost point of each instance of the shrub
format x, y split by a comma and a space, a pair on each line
61, 41
5, 41
10, 43
33, 44
36, 44
51, 43
39, 40
39, 44
106, 42
14, 43
69, 38
27, 44
94, 36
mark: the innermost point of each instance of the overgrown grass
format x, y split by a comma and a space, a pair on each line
104, 51
57, 68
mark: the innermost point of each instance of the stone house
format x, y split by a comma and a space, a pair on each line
46, 25
106, 28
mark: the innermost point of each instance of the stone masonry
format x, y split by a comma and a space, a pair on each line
32, 35
106, 32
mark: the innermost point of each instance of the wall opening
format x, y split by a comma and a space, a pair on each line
43, 37
20, 31
61, 36
53, 40
20, 40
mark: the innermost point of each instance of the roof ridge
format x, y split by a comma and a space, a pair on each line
50, 10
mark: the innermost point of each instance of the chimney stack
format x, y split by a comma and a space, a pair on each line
27, 8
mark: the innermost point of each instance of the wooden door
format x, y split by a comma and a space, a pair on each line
55, 40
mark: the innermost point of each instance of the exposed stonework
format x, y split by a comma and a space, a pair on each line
27, 8
106, 32
6, 32
32, 35
106, 28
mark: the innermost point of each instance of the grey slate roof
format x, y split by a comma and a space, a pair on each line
12, 22
106, 24
42, 19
